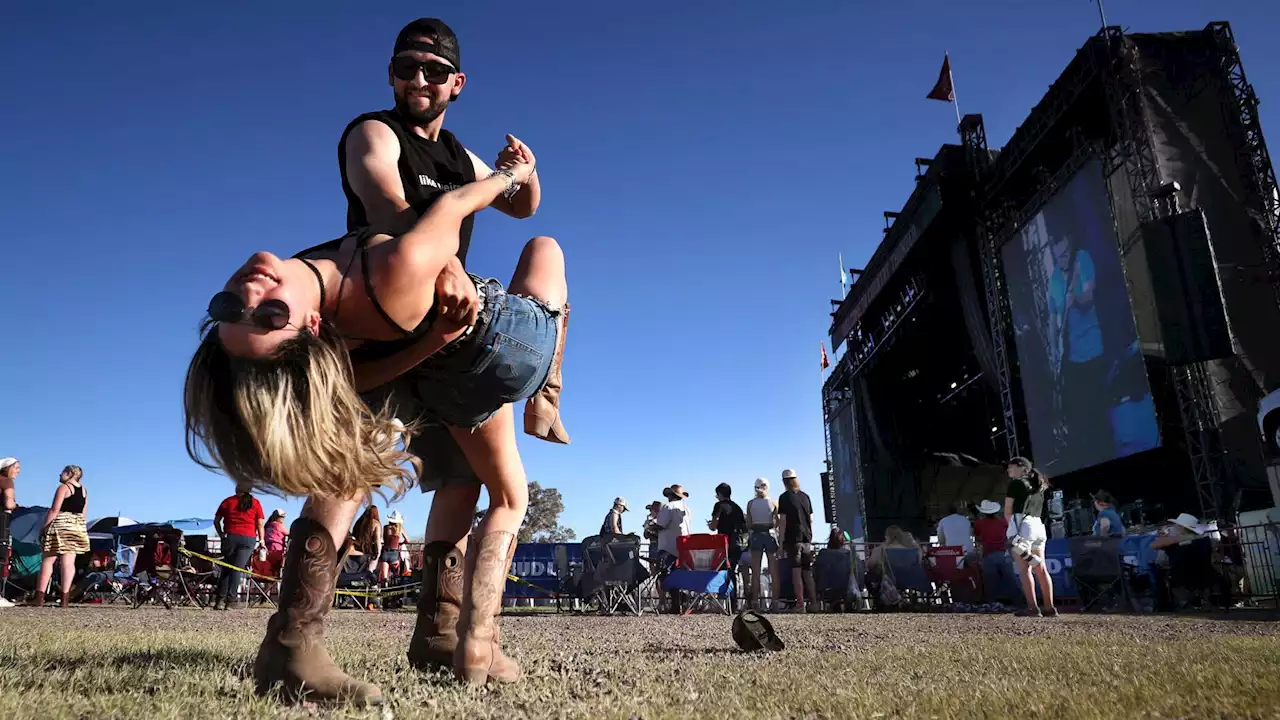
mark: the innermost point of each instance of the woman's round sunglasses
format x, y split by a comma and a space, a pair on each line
227, 307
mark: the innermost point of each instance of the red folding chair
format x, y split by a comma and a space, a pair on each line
702, 568
942, 566
705, 551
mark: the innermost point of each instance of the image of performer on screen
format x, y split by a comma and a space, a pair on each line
1079, 358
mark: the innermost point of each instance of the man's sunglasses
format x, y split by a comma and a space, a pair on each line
227, 307
406, 68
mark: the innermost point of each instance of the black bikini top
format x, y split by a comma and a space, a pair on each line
372, 349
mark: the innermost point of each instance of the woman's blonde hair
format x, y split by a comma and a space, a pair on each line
71, 473
292, 423
894, 535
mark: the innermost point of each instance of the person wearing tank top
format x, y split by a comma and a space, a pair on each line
762, 518
272, 400
64, 534
1024, 511
394, 165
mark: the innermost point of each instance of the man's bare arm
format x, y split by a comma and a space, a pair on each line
375, 373
521, 205
372, 153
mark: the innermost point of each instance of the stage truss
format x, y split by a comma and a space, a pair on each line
1132, 150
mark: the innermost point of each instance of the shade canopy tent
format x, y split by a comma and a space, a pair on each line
134, 534
107, 524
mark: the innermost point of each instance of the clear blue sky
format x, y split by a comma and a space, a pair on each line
702, 170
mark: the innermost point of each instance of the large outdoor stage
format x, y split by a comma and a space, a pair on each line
1063, 299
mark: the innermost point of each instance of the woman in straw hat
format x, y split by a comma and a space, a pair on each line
64, 533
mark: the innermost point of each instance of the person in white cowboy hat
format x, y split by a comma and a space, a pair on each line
762, 518
393, 538
999, 584
1181, 529
9, 469
612, 524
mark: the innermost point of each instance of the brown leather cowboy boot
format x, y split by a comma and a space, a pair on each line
542, 411
435, 635
66, 600
39, 601
293, 652
503, 669
478, 656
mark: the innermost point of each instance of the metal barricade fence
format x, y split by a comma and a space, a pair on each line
1255, 550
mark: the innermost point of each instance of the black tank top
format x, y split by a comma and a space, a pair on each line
374, 349
74, 503
428, 169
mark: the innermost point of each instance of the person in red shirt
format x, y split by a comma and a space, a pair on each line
241, 524
997, 568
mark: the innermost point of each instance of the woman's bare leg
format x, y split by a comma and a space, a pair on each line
1028, 583
1046, 581
757, 565
68, 574
541, 274
452, 510
335, 514
491, 451
46, 574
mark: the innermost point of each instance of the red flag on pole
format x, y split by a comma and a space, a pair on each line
944, 90
825, 362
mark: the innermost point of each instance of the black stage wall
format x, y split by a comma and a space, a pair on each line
908, 451
1198, 139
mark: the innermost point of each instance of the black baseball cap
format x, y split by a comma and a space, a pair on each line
751, 631
444, 42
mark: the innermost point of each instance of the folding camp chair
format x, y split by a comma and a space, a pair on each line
833, 578
611, 572
1098, 571
904, 566
702, 571
621, 574
355, 576
950, 579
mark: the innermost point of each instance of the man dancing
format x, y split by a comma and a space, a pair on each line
395, 164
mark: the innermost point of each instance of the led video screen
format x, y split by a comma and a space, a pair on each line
1084, 382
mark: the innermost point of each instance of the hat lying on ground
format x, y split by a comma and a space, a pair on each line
988, 507
751, 631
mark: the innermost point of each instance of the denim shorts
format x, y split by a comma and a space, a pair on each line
762, 541
506, 358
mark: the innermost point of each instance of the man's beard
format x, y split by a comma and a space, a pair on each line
426, 116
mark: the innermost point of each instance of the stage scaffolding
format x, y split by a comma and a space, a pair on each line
1096, 108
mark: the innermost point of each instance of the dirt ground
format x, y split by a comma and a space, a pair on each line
113, 662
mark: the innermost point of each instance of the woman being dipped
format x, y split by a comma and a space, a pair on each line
271, 396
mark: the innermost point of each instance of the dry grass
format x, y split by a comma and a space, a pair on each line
100, 662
